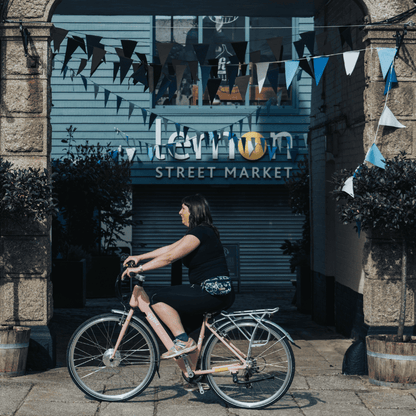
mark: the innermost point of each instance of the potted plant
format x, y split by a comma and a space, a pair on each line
93, 190
383, 203
299, 250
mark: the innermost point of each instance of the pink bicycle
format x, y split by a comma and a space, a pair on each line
247, 360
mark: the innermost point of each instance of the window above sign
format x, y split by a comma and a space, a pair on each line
211, 60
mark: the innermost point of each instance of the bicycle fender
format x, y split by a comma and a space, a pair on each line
151, 333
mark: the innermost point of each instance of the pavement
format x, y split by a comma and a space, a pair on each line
319, 387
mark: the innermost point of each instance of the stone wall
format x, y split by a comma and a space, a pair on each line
25, 137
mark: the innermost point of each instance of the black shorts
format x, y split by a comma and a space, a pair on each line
191, 302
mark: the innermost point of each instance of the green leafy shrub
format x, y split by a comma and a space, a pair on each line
25, 194
384, 201
93, 189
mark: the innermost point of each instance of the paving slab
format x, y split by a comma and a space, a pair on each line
389, 399
12, 396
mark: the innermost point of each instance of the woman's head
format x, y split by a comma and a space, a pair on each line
199, 212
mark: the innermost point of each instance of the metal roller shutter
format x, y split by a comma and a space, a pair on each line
257, 218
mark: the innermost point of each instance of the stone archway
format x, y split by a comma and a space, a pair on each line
25, 140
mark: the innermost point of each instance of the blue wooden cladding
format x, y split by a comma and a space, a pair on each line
84, 108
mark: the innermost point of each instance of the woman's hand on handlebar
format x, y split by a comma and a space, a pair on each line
128, 270
135, 259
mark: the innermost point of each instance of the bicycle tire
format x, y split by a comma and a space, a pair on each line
89, 365
272, 364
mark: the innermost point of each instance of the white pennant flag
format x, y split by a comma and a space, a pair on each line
387, 119
262, 68
350, 60
130, 153
250, 147
349, 186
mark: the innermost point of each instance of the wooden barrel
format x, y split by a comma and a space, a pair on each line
14, 345
391, 363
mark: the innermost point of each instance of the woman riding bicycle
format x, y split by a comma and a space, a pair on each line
181, 307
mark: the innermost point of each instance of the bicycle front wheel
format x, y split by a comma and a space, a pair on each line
111, 379
270, 359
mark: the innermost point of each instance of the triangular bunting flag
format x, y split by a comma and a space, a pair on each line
143, 58
125, 64
275, 45
119, 100
375, 157
349, 186
214, 67
84, 81
232, 71
82, 65
144, 114
185, 131
165, 122
93, 42
171, 148
152, 118
272, 152
215, 138
178, 128
250, 147
164, 50
116, 67
303, 63
387, 119
309, 39
128, 47
262, 68
345, 34
386, 57
258, 114
350, 60
255, 57
324, 47
172, 88
130, 153
106, 96
201, 50
180, 69
205, 70
242, 84
141, 75
249, 122
131, 108
95, 90
241, 126
240, 50
243, 142
71, 47
97, 59
81, 42
150, 152
58, 35
391, 80
299, 46
193, 67
154, 73
290, 71
319, 65
273, 76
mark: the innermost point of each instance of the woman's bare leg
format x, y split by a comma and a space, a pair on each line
170, 318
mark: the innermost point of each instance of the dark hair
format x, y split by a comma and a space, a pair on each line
199, 212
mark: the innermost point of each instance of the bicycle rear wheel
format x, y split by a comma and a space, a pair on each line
96, 374
271, 364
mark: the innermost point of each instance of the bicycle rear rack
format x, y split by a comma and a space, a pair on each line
254, 313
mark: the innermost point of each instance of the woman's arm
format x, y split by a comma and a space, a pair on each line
151, 254
177, 251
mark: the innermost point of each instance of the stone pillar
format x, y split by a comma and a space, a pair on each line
25, 140
382, 256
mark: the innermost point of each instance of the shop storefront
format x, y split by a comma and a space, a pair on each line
236, 147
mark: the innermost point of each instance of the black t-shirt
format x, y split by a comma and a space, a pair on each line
208, 259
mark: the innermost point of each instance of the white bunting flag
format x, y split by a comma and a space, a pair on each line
350, 60
262, 68
349, 186
130, 153
387, 119
250, 147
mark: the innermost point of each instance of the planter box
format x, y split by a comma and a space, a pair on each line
102, 276
69, 280
391, 363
